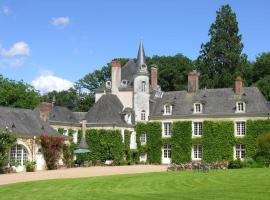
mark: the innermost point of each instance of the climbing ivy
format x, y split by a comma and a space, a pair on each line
181, 142
127, 151
61, 131
153, 141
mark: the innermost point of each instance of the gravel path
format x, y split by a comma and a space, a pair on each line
79, 172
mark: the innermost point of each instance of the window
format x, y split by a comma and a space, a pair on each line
197, 128
197, 108
240, 106
240, 128
167, 109
65, 132
124, 83
108, 84
18, 153
143, 115
240, 151
197, 152
143, 86
143, 138
167, 129
167, 152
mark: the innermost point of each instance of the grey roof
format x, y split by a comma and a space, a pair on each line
214, 101
107, 110
141, 56
23, 122
80, 115
58, 113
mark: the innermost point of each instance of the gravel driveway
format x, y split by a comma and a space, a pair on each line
79, 172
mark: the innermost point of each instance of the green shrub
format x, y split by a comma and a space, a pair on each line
263, 145
235, 164
68, 155
30, 166
7, 140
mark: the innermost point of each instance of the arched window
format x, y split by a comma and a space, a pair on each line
18, 153
143, 115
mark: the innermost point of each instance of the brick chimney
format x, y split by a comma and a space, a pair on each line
193, 82
44, 113
238, 86
154, 77
116, 75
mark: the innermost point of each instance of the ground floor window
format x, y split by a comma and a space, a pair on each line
197, 152
240, 151
18, 153
167, 151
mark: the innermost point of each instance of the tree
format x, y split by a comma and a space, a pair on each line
263, 145
221, 56
18, 94
261, 67
7, 140
264, 86
172, 71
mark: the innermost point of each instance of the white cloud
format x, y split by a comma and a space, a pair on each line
5, 10
47, 82
18, 49
60, 22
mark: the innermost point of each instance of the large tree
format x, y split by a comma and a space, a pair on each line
18, 94
220, 58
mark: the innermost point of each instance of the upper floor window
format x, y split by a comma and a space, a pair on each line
239, 151
197, 108
197, 128
240, 106
143, 115
143, 138
167, 129
240, 128
167, 109
143, 86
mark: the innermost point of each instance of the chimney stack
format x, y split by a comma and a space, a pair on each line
193, 82
154, 77
44, 113
238, 86
116, 75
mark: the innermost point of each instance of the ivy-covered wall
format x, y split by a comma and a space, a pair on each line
181, 142
217, 140
153, 141
105, 144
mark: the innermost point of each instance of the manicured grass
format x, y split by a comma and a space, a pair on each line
227, 184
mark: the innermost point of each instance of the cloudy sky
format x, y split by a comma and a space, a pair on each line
51, 44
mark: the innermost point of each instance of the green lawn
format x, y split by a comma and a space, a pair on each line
227, 184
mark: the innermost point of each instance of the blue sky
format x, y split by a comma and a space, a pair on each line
56, 43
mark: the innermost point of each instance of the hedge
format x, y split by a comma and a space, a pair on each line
181, 142
153, 141
105, 144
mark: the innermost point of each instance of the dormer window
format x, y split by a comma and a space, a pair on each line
124, 83
143, 67
167, 109
197, 108
143, 86
108, 84
240, 106
143, 115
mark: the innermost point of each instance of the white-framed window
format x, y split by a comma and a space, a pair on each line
240, 128
197, 128
143, 138
18, 153
239, 151
75, 137
65, 132
143, 157
143, 115
197, 108
143, 86
167, 129
197, 152
167, 151
240, 106
167, 109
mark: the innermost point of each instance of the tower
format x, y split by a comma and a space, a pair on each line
141, 87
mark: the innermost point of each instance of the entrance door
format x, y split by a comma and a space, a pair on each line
166, 154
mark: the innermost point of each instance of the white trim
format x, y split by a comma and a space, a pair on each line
236, 107
163, 129
235, 127
234, 152
145, 139
193, 135
165, 110
194, 108
192, 152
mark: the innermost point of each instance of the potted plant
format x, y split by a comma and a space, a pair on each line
30, 166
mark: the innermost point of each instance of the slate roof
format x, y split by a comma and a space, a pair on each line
80, 115
107, 110
59, 113
23, 122
214, 101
